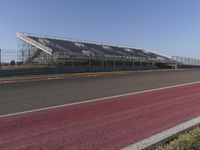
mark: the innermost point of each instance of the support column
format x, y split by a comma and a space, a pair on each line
89, 63
52, 58
102, 63
140, 63
133, 63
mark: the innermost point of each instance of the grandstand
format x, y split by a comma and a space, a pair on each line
46, 49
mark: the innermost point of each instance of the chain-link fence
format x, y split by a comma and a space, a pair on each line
9, 57
14, 59
187, 61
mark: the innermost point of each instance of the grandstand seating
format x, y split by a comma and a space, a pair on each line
83, 50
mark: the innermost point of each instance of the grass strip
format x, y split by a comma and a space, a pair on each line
186, 141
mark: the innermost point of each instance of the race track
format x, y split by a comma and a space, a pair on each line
112, 123
109, 123
23, 96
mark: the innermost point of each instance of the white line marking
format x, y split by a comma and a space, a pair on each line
145, 143
99, 99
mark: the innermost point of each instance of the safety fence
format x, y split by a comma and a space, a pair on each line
55, 70
9, 57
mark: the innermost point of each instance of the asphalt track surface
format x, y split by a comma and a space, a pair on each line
113, 123
23, 96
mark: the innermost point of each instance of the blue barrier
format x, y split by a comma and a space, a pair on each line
55, 70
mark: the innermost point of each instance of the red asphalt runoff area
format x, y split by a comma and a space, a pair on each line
106, 124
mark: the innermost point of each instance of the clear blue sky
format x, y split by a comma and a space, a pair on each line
171, 27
